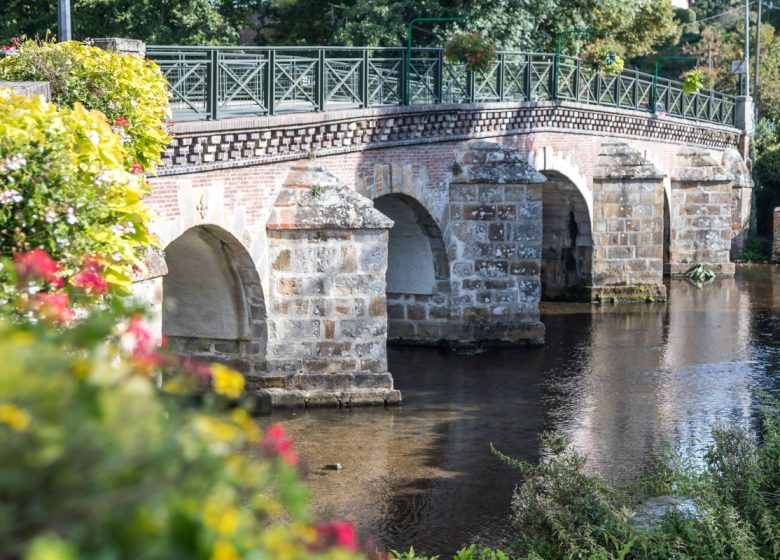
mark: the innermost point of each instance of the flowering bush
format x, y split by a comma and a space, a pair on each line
696, 79
105, 452
472, 48
64, 189
131, 91
605, 54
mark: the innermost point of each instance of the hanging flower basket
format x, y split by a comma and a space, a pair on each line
696, 79
472, 48
604, 54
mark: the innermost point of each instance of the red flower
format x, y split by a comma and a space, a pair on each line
276, 443
121, 121
338, 533
136, 168
37, 264
90, 281
52, 307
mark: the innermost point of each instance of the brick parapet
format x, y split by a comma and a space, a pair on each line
211, 145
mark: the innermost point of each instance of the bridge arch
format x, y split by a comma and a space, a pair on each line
567, 238
213, 303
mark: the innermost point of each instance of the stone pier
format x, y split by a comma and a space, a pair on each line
700, 214
628, 230
328, 323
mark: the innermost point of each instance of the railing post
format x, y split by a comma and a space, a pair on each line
554, 78
406, 98
365, 102
577, 69
320, 80
501, 67
598, 87
439, 85
471, 80
270, 89
211, 85
528, 85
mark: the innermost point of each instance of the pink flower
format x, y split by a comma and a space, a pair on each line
277, 443
197, 369
338, 533
90, 281
136, 168
37, 264
121, 121
52, 307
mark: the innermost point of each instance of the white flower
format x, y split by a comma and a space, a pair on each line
51, 216
117, 257
70, 217
10, 195
16, 162
94, 137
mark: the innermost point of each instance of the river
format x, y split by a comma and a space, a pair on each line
619, 381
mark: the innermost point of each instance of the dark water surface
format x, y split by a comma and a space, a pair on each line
617, 380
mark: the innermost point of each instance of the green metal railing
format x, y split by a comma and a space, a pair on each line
224, 82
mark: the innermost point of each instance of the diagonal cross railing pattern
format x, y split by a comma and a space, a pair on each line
224, 82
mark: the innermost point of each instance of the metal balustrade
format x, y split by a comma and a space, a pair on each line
225, 82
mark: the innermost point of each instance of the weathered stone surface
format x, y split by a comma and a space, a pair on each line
741, 200
700, 214
29, 88
328, 257
492, 163
121, 45
628, 217
313, 199
154, 265
776, 236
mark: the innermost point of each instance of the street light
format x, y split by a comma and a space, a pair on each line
63, 20
558, 50
409, 47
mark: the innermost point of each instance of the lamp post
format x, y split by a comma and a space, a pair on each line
747, 48
558, 50
655, 73
63, 20
409, 47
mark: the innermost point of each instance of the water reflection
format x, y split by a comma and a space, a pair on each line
618, 381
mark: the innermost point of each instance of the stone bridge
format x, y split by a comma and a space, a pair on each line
296, 245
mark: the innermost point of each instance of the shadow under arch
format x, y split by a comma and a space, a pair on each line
213, 303
418, 274
567, 240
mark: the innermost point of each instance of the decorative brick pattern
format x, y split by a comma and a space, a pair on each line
200, 146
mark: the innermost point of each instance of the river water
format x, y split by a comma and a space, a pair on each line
619, 381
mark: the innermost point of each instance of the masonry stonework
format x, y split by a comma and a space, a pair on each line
628, 227
700, 214
328, 323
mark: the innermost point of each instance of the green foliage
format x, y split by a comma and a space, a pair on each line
162, 22
131, 91
561, 512
766, 170
695, 79
757, 249
473, 49
605, 54
64, 187
106, 453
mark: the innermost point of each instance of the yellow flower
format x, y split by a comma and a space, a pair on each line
227, 382
224, 551
251, 431
15, 417
215, 429
221, 515
282, 544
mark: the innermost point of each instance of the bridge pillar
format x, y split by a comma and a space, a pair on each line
493, 239
741, 200
327, 321
628, 227
700, 214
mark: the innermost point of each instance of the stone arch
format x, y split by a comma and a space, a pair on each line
567, 239
401, 178
547, 160
418, 274
213, 304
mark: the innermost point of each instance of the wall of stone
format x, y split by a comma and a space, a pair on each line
700, 214
741, 200
328, 322
628, 227
776, 235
